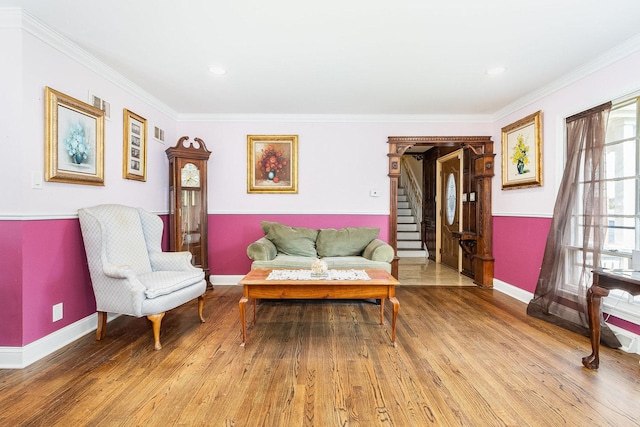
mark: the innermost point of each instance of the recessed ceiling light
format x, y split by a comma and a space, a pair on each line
496, 70
218, 71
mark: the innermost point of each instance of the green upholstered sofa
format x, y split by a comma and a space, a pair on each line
297, 247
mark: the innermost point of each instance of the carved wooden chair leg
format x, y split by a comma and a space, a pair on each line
101, 332
201, 307
156, 320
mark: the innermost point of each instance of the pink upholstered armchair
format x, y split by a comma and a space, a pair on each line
129, 272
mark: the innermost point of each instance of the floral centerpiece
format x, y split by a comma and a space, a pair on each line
76, 144
520, 156
272, 164
319, 268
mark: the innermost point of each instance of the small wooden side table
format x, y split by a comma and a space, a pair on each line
603, 282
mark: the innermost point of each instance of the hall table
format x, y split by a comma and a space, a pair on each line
603, 281
380, 286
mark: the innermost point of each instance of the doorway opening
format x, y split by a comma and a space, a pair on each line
470, 233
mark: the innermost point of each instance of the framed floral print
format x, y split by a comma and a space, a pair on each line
134, 158
272, 163
522, 153
74, 140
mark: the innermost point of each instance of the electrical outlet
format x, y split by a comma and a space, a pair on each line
57, 312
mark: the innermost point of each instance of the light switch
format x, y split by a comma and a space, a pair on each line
36, 180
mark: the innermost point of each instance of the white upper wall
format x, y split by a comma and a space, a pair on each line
34, 62
11, 115
340, 159
339, 163
618, 80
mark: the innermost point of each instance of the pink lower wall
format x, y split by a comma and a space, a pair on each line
11, 283
55, 271
43, 263
612, 320
518, 248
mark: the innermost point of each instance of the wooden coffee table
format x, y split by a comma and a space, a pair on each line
381, 286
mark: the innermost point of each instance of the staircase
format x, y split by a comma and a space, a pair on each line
409, 243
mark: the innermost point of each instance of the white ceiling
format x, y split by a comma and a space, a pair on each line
373, 57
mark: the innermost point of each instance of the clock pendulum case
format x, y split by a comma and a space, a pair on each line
188, 217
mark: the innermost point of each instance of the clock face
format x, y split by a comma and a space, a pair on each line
451, 198
190, 176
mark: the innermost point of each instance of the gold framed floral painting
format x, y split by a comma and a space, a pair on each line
272, 163
522, 153
74, 140
134, 155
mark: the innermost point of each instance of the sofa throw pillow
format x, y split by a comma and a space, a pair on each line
348, 241
299, 241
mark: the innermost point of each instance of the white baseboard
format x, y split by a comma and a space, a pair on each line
512, 291
225, 280
21, 357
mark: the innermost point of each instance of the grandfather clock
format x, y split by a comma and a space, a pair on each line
188, 200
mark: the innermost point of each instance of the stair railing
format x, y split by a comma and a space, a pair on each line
412, 188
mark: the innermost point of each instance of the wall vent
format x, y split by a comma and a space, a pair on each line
158, 134
100, 103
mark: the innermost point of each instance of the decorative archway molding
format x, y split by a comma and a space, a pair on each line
476, 239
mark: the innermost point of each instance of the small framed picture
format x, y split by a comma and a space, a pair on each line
135, 147
522, 153
272, 163
74, 140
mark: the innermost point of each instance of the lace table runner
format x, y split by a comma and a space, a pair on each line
308, 275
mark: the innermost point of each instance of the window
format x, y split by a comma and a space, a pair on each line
622, 222
622, 167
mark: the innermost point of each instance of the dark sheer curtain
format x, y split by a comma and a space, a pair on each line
585, 165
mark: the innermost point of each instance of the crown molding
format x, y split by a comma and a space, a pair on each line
627, 48
11, 17
19, 18
339, 118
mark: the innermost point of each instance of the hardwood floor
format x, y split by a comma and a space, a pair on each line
465, 356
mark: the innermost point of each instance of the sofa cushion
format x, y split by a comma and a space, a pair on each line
355, 263
298, 241
285, 261
348, 241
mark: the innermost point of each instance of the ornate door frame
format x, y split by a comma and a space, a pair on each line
479, 244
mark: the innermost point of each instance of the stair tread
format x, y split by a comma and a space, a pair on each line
409, 243
412, 254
